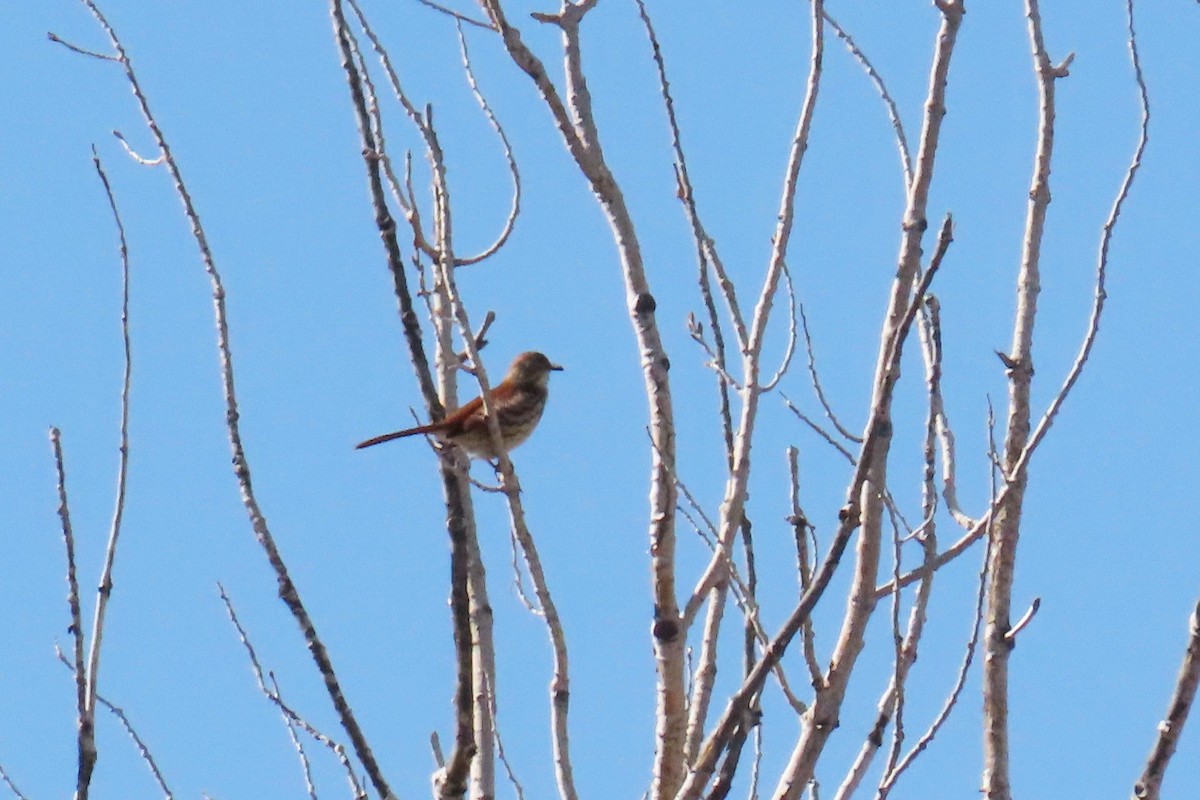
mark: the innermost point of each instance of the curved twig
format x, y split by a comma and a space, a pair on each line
884, 95
515, 208
815, 377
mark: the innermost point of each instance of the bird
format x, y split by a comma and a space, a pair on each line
519, 401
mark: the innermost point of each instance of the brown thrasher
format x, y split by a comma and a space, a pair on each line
519, 401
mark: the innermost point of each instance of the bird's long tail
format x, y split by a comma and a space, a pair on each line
387, 437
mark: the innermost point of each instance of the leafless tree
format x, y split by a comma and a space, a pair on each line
706, 736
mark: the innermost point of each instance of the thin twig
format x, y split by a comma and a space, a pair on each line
290, 716
508, 768
134, 154
931, 339
824, 434
884, 94
1024, 621
77, 49
12, 787
138, 742
459, 17
510, 159
804, 556
790, 349
815, 377
952, 699
298, 746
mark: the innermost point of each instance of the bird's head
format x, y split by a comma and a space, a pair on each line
531, 368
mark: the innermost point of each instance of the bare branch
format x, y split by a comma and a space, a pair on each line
138, 742
804, 563
931, 340
1110, 224
868, 486
110, 551
1149, 785
884, 95
290, 716
1024, 621
305, 767
515, 208
790, 349
706, 251
824, 434
1005, 531
406, 201
952, 699
134, 154
815, 377
849, 522
77, 49
368, 134
85, 720
457, 16
12, 787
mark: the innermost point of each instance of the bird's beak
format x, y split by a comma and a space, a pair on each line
556, 368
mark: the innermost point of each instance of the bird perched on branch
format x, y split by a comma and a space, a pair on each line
519, 401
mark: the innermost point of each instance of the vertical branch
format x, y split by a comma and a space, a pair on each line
86, 718
1005, 529
475, 740
483, 784
579, 133
804, 564
384, 221
472, 753
1106, 235
110, 552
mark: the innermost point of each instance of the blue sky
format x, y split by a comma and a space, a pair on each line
252, 99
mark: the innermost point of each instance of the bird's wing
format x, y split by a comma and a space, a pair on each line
467, 417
